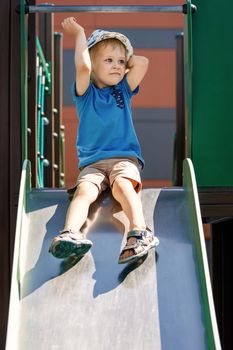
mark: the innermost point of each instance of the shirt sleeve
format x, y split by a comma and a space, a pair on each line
74, 93
81, 101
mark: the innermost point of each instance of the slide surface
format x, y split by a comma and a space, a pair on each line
98, 304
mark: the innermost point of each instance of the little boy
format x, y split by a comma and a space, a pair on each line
107, 76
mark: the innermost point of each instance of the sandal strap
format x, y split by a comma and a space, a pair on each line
136, 233
138, 243
71, 233
140, 236
131, 246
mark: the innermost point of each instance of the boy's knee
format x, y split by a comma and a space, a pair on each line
87, 189
121, 184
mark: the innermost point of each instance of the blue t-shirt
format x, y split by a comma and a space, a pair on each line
105, 124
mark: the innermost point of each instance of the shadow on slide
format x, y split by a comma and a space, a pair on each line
105, 249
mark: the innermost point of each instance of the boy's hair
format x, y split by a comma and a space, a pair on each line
102, 44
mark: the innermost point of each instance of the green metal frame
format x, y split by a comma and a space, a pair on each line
188, 68
62, 155
43, 87
190, 186
45, 65
208, 79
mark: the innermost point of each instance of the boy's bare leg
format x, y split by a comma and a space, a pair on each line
123, 191
85, 194
71, 241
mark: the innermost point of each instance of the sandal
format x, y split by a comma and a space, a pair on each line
144, 241
69, 243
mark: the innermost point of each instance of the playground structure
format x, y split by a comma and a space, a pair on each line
215, 195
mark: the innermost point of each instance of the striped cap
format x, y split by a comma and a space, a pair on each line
100, 35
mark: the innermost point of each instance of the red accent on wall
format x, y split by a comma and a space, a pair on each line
158, 87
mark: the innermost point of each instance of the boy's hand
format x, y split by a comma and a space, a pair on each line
131, 62
137, 67
71, 26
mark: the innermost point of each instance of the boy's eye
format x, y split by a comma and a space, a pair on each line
108, 60
122, 62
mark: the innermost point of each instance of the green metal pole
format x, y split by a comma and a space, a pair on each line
39, 92
188, 68
62, 155
43, 62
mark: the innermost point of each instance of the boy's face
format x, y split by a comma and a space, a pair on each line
108, 65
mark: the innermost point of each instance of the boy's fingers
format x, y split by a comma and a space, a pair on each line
68, 22
71, 19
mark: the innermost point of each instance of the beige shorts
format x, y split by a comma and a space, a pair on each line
104, 172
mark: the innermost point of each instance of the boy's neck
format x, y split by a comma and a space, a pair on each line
101, 86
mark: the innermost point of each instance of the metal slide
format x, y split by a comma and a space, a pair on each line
163, 302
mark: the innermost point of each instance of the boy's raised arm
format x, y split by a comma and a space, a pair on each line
82, 57
137, 66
